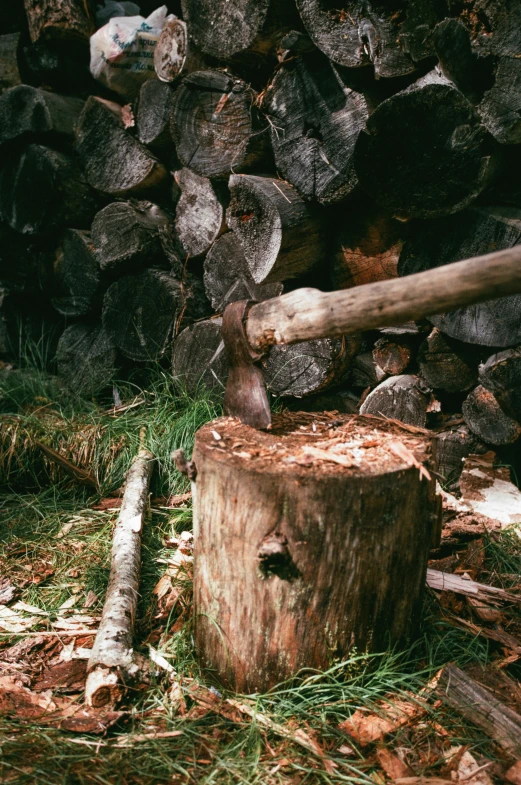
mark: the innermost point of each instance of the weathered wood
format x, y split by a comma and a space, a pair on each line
86, 358
451, 447
501, 374
42, 190
403, 398
481, 707
9, 68
486, 419
473, 232
281, 236
500, 109
314, 124
126, 235
29, 111
213, 124
365, 371
457, 61
394, 355
227, 277
114, 161
76, 274
199, 218
424, 153
68, 22
304, 580
447, 364
153, 115
199, 357
112, 662
171, 50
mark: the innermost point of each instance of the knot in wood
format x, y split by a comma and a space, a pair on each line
275, 558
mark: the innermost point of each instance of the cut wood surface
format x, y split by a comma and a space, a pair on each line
199, 217
111, 663
452, 447
403, 398
394, 355
487, 420
26, 110
447, 364
153, 115
199, 357
69, 22
501, 374
76, 274
171, 50
86, 358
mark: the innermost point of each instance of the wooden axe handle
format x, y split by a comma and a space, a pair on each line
309, 313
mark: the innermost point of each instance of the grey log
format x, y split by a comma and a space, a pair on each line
76, 274
86, 358
199, 218
153, 115
28, 111
403, 398
486, 419
199, 357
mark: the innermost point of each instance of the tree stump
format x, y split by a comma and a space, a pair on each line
307, 544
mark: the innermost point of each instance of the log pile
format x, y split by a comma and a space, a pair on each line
277, 145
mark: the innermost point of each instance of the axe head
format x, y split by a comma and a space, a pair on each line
245, 396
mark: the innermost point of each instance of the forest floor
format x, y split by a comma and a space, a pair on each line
177, 725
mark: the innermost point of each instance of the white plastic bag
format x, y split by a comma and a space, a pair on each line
122, 52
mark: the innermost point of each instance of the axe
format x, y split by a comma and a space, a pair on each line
249, 328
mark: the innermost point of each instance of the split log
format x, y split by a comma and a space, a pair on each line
26, 110
451, 239
199, 218
199, 357
281, 236
143, 312
403, 398
501, 375
342, 565
424, 153
214, 124
370, 33
126, 235
171, 50
394, 355
451, 448
114, 161
86, 358
315, 121
153, 115
366, 372
481, 707
9, 69
76, 274
112, 662
227, 277
447, 364
42, 190
68, 22
487, 420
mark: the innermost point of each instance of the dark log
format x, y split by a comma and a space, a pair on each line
199, 357
114, 161
68, 22
171, 50
501, 374
342, 565
500, 109
424, 153
365, 371
487, 420
86, 358
227, 277
199, 218
25, 263
341, 400
457, 61
142, 313
447, 364
281, 236
42, 190
451, 448
403, 398
153, 115
394, 355
296, 43
367, 247
76, 274
214, 124
364, 33
470, 233
126, 235
26, 110
9, 70
315, 121
308, 367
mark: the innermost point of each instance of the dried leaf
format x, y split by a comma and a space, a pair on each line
392, 765
513, 775
7, 591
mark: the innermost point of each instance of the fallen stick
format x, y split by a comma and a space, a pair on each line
446, 581
112, 660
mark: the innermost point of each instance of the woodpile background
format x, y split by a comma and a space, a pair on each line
285, 143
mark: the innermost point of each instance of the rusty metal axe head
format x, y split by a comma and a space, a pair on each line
245, 395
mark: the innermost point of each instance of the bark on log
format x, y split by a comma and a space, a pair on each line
199, 218
447, 364
366, 33
470, 233
9, 69
86, 358
199, 357
227, 277
112, 663
481, 707
304, 579
281, 236
213, 124
394, 355
425, 153
126, 235
153, 115
403, 398
114, 161
26, 110
451, 448
486, 419
68, 22
501, 375
42, 190
315, 121
76, 274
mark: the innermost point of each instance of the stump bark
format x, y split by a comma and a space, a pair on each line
301, 549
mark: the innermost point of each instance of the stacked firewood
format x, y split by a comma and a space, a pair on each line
277, 144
